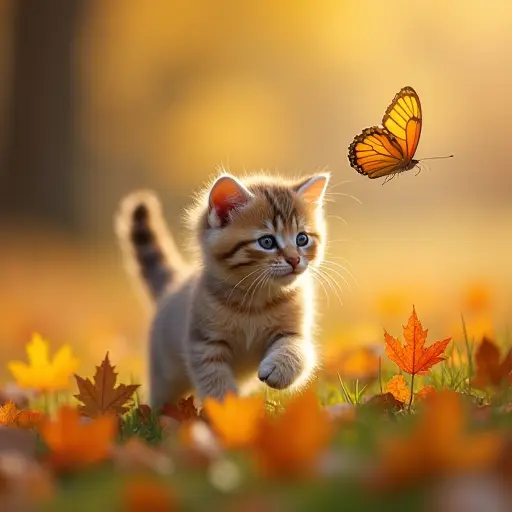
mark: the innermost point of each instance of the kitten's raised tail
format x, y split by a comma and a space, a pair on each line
148, 246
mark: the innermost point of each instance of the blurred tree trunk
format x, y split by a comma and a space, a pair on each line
37, 181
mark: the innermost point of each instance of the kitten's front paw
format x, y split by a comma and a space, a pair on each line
280, 370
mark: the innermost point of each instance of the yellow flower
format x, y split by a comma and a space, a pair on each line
41, 373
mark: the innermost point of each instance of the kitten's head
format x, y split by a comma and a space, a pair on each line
263, 228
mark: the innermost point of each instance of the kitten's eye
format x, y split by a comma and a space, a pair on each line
268, 242
302, 240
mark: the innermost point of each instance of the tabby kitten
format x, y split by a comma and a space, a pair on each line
248, 306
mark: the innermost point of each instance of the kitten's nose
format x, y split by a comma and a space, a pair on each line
293, 261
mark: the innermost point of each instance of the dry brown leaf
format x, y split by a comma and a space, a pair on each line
184, 410
385, 403
490, 369
103, 396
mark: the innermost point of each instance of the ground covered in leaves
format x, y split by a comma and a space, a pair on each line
408, 425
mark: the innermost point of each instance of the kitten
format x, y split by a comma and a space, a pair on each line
248, 306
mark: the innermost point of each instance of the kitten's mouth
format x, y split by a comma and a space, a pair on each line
289, 274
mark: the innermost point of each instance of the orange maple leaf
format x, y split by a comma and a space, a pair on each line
75, 441
490, 371
398, 388
413, 358
236, 419
103, 396
288, 445
439, 445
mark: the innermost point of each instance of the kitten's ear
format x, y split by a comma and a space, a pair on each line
313, 189
226, 194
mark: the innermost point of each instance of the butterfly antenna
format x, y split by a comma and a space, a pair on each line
436, 157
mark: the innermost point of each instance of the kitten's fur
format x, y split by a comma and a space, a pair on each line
243, 309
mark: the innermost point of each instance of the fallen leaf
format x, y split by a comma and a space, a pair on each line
398, 388
103, 396
41, 373
438, 446
236, 419
425, 393
11, 416
8, 414
290, 444
490, 371
75, 443
143, 494
144, 413
385, 403
184, 410
414, 358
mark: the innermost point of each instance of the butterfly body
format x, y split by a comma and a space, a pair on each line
389, 149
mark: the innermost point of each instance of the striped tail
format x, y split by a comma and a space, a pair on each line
148, 246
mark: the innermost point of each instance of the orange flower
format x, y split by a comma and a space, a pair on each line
289, 444
236, 419
75, 441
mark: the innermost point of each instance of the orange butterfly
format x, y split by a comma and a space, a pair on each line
389, 150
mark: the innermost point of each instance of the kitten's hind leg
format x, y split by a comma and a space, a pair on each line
289, 360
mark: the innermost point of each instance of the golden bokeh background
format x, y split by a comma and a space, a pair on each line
100, 97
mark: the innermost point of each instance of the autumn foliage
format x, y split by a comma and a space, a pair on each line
429, 429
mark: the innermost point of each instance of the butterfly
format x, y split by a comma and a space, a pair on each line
389, 149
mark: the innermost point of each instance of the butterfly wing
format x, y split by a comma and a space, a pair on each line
381, 151
403, 120
375, 153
